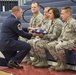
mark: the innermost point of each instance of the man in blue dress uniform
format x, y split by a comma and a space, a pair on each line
13, 49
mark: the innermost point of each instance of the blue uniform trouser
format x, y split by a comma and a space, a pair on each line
18, 51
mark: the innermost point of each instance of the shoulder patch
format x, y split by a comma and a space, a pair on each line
19, 26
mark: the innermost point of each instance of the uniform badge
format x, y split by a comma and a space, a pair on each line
19, 27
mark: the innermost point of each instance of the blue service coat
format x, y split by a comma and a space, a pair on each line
10, 32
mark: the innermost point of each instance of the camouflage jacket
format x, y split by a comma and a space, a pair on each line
36, 20
54, 30
46, 24
69, 30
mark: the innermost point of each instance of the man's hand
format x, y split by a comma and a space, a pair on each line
35, 34
71, 41
41, 35
60, 42
31, 28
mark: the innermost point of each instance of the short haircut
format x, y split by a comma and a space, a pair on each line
68, 9
47, 8
36, 3
16, 8
55, 12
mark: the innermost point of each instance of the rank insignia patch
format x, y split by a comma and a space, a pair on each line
19, 27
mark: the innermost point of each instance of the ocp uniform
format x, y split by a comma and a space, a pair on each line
35, 22
45, 26
53, 34
68, 33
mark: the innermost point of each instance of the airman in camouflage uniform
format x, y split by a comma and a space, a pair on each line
66, 42
37, 18
45, 25
54, 32
35, 22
